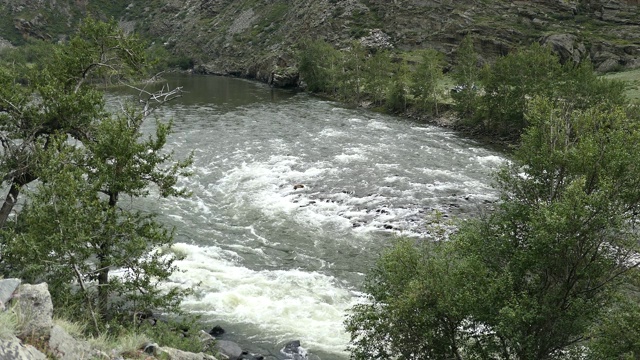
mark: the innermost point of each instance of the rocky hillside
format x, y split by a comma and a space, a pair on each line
256, 38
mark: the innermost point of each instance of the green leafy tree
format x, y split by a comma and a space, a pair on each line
72, 228
425, 83
351, 80
397, 93
536, 276
535, 71
66, 101
514, 79
319, 64
466, 75
377, 75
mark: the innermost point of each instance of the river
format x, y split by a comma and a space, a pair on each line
270, 263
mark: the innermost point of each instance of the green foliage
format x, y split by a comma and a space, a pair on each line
34, 52
397, 93
426, 79
177, 333
161, 59
466, 75
377, 75
420, 297
514, 79
532, 72
354, 75
318, 63
72, 232
350, 81
617, 336
537, 276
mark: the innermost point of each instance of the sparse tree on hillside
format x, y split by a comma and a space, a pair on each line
351, 80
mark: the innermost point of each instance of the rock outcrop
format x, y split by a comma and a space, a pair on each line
257, 39
32, 307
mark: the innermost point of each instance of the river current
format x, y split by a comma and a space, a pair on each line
270, 263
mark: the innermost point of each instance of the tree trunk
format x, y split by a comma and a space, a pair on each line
103, 268
12, 196
103, 282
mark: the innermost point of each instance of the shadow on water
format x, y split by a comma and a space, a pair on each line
223, 93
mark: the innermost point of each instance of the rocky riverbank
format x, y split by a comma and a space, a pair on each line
29, 332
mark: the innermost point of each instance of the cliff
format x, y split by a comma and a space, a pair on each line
257, 38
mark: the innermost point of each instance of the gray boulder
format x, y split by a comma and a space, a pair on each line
376, 39
13, 349
7, 288
35, 307
175, 354
229, 349
66, 347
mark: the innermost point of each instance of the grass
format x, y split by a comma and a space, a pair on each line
8, 324
632, 77
129, 342
75, 329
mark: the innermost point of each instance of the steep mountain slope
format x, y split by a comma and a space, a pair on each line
256, 38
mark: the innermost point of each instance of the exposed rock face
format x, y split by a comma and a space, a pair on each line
567, 46
376, 39
254, 38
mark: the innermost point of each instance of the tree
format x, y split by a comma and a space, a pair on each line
318, 63
350, 81
397, 92
535, 71
536, 276
377, 75
67, 104
514, 79
72, 228
425, 84
466, 75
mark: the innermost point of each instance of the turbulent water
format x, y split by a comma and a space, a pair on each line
271, 263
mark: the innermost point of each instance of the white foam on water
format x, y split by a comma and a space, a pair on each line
331, 133
378, 125
346, 158
490, 160
277, 305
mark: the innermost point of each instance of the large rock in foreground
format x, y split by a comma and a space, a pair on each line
35, 308
13, 349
